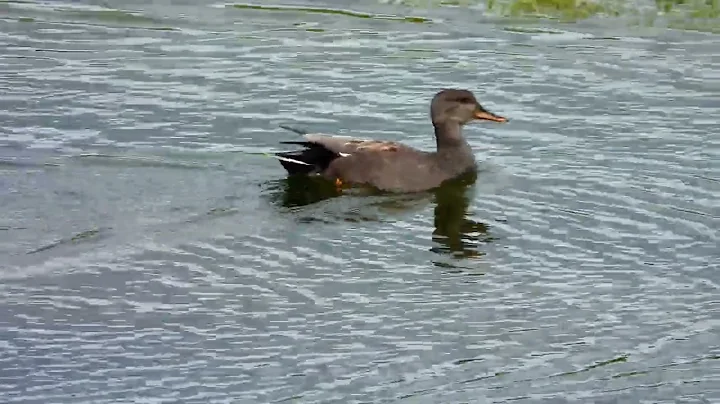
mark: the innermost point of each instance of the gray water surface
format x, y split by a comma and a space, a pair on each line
150, 253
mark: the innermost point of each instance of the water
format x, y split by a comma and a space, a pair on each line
150, 256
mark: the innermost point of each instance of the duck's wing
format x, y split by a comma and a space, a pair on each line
347, 145
320, 151
387, 166
343, 144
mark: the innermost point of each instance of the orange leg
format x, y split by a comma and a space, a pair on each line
338, 184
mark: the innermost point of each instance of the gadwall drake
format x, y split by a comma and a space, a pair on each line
392, 166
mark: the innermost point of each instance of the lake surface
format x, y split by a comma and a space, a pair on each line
151, 253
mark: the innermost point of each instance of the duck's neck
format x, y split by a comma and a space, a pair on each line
448, 136
453, 151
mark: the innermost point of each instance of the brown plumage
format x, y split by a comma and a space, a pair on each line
393, 166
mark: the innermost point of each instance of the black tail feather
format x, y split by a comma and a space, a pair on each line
311, 160
293, 167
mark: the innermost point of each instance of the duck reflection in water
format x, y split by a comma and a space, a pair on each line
454, 234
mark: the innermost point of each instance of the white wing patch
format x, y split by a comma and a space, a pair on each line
292, 160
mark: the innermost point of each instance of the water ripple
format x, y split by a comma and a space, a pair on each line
172, 263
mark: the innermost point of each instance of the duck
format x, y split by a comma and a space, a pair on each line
393, 166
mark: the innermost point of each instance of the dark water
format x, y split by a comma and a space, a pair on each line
149, 256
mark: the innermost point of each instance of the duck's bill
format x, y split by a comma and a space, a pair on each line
489, 116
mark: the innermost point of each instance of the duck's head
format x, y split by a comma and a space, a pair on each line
459, 106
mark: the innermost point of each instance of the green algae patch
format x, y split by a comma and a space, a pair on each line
704, 9
116, 16
420, 50
111, 17
619, 359
630, 374
691, 15
417, 20
709, 26
706, 12
454, 3
530, 30
333, 11
689, 11
667, 5
98, 16
569, 10
697, 8
85, 236
438, 3
686, 15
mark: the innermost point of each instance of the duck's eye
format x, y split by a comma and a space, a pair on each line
466, 100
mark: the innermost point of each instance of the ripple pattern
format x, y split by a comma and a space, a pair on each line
168, 265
